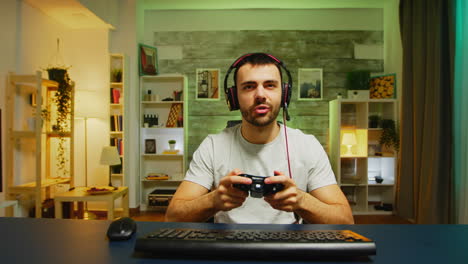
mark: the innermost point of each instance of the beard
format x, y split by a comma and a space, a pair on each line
260, 120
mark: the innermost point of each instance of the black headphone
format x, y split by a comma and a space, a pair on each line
231, 92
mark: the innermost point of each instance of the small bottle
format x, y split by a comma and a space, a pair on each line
148, 96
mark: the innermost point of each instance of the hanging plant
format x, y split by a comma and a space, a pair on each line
62, 100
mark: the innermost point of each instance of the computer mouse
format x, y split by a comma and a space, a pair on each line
121, 229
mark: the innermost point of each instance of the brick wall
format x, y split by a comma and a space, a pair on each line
333, 51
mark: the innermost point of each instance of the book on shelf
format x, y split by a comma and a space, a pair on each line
171, 151
115, 96
117, 142
116, 123
157, 176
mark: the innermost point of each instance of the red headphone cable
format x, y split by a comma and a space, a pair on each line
285, 113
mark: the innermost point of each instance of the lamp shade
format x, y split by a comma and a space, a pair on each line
110, 156
349, 139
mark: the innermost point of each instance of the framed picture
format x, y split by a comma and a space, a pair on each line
207, 84
374, 149
148, 58
150, 146
382, 87
310, 84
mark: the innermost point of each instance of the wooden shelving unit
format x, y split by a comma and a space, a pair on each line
29, 140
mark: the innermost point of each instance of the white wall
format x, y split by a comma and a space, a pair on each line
7, 63
124, 40
279, 19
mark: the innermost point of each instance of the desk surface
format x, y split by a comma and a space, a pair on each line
28, 240
81, 194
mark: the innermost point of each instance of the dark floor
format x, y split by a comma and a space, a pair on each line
358, 219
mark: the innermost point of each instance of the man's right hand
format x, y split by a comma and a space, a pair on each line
228, 197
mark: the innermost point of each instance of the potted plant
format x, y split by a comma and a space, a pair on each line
172, 143
374, 121
116, 75
63, 101
389, 137
357, 83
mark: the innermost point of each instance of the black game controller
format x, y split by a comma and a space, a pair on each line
258, 188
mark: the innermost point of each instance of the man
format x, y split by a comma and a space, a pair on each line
257, 146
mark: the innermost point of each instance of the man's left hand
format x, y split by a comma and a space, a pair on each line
287, 199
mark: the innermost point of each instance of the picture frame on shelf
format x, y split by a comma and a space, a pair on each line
374, 149
310, 84
150, 146
382, 86
207, 82
147, 60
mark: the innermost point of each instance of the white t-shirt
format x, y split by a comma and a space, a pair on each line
219, 154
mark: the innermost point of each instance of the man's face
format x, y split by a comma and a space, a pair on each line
259, 93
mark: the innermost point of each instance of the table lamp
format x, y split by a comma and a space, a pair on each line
110, 156
349, 139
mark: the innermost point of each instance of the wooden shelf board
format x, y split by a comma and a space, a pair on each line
116, 105
162, 102
162, 155
381, 184
28, 79
169, 181
164, 128
26, 88
116, 83
352, 157
346, 100
50, 83
353, 184
31, 186
24, 134
58, 134
117, 174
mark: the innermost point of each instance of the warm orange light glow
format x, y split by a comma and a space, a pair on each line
353, 143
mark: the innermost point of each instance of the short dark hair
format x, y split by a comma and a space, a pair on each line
256, 59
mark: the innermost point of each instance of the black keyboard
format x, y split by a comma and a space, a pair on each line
266, 244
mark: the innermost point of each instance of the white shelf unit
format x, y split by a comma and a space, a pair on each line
162, 87
356, 173
117, 91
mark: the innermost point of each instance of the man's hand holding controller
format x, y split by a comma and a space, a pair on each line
227, 197
289, 198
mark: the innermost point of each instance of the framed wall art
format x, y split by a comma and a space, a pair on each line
382, 87
207, 83
310, 84
147, 59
